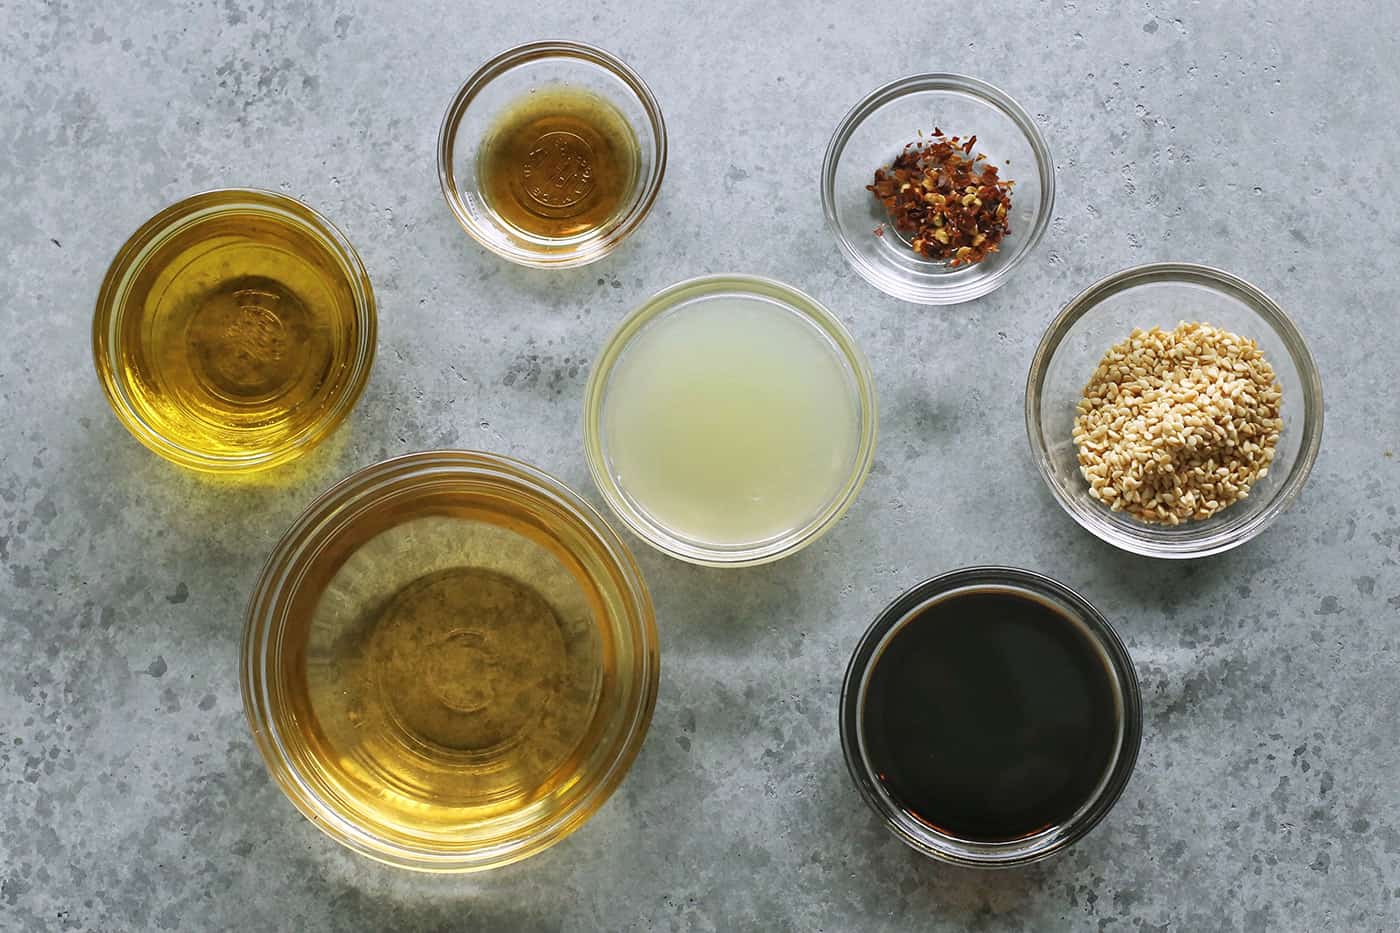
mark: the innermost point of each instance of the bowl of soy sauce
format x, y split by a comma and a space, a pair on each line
991, 717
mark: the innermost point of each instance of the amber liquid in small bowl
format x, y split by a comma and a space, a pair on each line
560, 163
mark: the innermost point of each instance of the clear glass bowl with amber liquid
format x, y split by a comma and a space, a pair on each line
558, 164
552, 153
450, 661
234, 330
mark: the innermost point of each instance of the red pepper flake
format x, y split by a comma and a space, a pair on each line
954, 205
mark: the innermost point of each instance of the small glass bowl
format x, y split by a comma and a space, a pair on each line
878, 128
1164, 295
501, 83
920, 835
520, 524
144, 257
677, 298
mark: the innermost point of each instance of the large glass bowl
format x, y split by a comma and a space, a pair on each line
332, 662
501, 83
878, 128
1164, 295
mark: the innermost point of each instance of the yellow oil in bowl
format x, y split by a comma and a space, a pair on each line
234, 331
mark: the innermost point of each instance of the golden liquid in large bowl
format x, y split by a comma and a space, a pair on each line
450, 679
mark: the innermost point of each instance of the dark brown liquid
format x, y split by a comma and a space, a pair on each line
559, 163
991, 716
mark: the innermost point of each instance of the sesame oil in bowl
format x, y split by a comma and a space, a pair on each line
560, 163
552, 153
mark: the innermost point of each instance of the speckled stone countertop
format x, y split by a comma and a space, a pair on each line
1252, 136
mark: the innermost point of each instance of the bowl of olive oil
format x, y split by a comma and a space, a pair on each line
552, 153
449, 662
234, 331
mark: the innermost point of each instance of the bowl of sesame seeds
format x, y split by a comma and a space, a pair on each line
1174, 410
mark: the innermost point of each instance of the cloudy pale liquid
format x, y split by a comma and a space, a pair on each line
731, 421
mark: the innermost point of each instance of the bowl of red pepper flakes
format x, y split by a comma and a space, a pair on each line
937, 187
952, 204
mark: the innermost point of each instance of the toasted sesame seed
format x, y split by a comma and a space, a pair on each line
1176, 425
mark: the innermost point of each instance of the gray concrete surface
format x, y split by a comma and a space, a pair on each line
1254, 136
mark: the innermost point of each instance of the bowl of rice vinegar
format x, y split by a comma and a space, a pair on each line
449, 662
234, 331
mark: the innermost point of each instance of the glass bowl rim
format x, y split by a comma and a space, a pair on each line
617, 230
663, 301
944, 847
1264, 307
938, 81
110, 310
282, 574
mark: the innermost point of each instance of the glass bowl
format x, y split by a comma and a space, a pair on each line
637, 505
878, 128
923, 836
449, 661
501, 83
178, 292
1164, 295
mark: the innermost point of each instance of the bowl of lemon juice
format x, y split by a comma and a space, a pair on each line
730, 420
